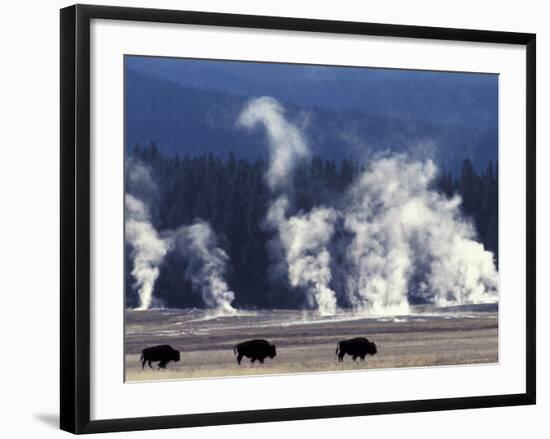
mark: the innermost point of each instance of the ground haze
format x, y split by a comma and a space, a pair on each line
306, 342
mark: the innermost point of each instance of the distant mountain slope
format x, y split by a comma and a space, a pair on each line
463, 99
190, 120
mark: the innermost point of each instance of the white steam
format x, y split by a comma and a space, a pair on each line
139, 178
148, 249
410, 240
206, 264
286, 142
302, 239
401, 239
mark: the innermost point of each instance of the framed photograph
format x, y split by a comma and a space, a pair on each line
304, 218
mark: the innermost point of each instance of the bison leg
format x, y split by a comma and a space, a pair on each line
362, 358
162, 365
239, 358
341, 356
261, 360
252, 360
354, 357
149, 363
142, 363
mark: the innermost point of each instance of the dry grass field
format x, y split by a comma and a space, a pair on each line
307, 343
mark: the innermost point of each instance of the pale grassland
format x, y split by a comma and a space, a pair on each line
207, 345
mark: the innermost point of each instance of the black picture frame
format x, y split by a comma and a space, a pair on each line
75, 217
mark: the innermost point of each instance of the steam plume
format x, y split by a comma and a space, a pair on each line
411, 242
140, 182
302, 239
206, 264
286, 143
148, 249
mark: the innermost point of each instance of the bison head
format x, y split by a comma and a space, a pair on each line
176, 356
372, 348
273, 352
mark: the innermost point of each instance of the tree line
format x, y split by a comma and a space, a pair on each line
231, 194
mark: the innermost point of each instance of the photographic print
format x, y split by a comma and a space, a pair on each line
290, 218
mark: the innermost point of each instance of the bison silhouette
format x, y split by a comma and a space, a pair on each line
255, 350
162, 353
355, 347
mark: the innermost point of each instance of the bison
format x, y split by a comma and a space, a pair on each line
355, 347
255, 350
162, 353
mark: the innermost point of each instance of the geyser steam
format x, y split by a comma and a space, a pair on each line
148, 249
410, 241
400, 240
286, 142
206, 264
303, 238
